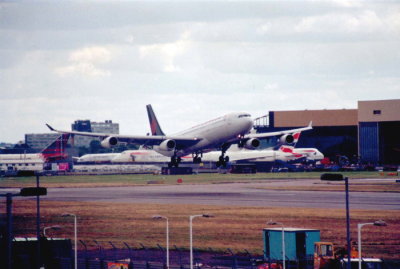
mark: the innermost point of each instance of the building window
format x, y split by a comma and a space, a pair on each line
377, 112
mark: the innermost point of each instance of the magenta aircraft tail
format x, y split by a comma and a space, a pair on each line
56, 150
154, 125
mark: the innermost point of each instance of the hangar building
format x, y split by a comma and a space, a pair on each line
379, 128
368, 133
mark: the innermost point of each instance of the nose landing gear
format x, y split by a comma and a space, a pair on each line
223, 160
197, 158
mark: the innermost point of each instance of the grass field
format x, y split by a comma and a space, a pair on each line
144, 179
233, 227
237, 228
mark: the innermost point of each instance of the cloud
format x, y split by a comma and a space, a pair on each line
87, 62
166, 52
366, 21
193, 60
91, 54
347, 3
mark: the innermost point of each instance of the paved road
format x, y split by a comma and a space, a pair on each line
235, 194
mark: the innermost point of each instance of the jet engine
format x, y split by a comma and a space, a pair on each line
167, 145
109, 142
286, 139
252, 143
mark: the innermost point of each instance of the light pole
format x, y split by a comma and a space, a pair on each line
55, 227
339, 177
75, 237
167, 236
191, 235
283, 240
359, 226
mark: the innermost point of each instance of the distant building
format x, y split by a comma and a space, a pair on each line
40, 141
107, 127
6, 145
379, 127
81, 126
368, 133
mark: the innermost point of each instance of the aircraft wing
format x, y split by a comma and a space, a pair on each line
277, 133
181, 142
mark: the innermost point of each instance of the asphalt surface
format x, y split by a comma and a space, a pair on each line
231, 194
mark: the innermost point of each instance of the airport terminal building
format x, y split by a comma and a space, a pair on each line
368, 133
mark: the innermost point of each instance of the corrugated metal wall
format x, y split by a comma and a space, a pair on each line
369, 141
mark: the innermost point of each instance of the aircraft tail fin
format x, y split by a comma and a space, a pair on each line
296, 137
292, 144
56, 150
154, 125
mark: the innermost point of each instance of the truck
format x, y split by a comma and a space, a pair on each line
326, 258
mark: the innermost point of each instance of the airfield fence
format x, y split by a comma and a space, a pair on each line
107, 254
155, 258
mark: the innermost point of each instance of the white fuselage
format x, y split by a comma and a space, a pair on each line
97, 158
151, 156
140, 156
312, 154
212, 134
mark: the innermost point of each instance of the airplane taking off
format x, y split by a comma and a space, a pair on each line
219, 133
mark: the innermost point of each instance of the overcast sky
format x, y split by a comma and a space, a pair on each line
193, 61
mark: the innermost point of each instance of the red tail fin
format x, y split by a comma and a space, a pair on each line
296, 137
154, 125
55, 151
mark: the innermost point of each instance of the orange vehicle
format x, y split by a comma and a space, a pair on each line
324, 256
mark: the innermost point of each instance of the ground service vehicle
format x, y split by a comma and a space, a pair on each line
324, 256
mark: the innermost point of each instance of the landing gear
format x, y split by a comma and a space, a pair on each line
197, 158
223, 160
174, 161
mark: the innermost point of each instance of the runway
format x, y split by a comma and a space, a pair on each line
231, 194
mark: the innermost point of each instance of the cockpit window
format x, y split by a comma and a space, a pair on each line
244, 116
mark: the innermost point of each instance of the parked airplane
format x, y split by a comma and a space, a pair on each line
310, 154
285, 154
219, 133
35, 161
96, 158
